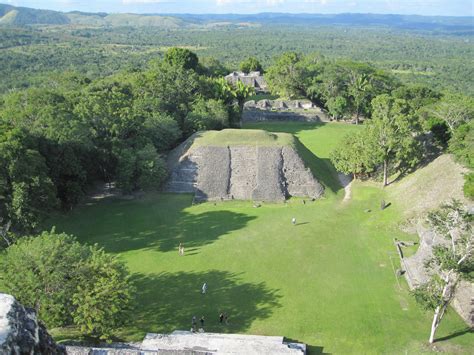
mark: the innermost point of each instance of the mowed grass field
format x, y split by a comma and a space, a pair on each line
327, 281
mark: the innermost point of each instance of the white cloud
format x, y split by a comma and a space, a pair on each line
233, 2
133, 2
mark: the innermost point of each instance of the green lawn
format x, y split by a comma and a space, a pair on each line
328, 281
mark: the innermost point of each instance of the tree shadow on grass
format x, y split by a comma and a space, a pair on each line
168, 301
159, 225
455, 334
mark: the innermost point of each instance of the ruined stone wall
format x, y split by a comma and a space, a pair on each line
278, 110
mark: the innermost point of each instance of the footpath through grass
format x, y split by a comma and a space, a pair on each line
328, 281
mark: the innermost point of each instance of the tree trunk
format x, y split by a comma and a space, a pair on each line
434, 324
385, 172
357, 117
447, 295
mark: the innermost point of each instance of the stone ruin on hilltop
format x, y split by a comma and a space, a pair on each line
242, 171
284, 110
253, 79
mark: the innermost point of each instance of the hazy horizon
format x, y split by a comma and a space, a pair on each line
458, 8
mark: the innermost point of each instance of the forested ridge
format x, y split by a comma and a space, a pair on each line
30, 55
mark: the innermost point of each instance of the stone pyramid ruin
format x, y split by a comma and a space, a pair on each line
241, 164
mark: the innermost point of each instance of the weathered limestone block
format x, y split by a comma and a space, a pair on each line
243, 178
269, 175
299, 179
21, 332
213, 173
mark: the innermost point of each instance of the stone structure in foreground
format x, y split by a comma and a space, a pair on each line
185, 342
240, 170
21, 332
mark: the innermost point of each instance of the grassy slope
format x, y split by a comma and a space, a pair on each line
430, 186
328, 281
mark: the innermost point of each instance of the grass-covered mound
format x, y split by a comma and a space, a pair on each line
243, 137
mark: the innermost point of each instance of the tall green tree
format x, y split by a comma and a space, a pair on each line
103, 299
355, 155
394, 132
168, 89
28, 193
454, 109
360, 91
182, 58
107, 108
250, 64
68, 283
285, 77
140, 168
208, 114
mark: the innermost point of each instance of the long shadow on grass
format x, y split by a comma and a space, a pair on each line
168, 301
455, 334
161, 226
193, 230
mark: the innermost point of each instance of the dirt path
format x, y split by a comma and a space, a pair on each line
346, 182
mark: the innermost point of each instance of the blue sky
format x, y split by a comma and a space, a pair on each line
421, 7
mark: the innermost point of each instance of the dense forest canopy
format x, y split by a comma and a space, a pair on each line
436, 51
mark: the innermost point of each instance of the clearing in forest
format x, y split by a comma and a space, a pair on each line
328, 280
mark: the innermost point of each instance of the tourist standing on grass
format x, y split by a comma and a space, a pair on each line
204, 288
180, 249
194, 324
202, 322
221, 318
226, 318
293, 220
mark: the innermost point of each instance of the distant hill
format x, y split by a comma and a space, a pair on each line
22, 16
133, 20
408, 22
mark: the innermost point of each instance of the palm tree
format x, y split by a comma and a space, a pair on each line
359, 88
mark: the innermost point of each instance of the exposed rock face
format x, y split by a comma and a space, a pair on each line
463, 301
21, 332
258, 173
416, 274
